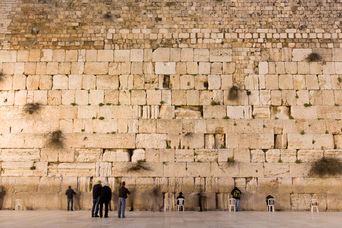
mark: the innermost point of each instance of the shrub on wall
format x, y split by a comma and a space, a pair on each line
314, 57
56, 139
326, 167
31, 108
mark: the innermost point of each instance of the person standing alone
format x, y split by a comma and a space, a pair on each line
123, 191
236, 193
97, 189
70, 196
106, 197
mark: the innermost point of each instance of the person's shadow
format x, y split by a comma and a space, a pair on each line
77, 203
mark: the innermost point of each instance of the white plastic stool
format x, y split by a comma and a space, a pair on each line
314, 205
270, 205
180, 204
232, 204
19, 205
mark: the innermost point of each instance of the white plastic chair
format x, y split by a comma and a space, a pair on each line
19, 205
270, 205
232, 204
180, 204
314, 205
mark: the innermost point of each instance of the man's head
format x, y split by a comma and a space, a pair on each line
181, 193
69, 186
123, 183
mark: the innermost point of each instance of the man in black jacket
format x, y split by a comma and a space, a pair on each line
123, 191
97, 189
70, 196
236, 193
106, 197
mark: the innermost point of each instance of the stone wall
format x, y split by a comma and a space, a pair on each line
209, 94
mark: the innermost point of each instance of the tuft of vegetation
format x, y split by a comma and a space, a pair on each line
226, 117
101, 118
215, 102
302, 132
307, 105
73, 104
326, 167
248, 92
108, 16
298, 161
35, 31
162, 102
339, 79
33, 167
2, 75
280, 161
139, 166
101, 104
233, 93
231, 161
314, 57
31, 108
56, 139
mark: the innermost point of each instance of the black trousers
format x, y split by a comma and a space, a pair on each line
70, 204
95, 208
106, 206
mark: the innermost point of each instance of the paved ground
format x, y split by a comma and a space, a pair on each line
61, 219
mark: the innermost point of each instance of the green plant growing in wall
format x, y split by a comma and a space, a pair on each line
108, 15
307, 105
326, 167
139, 166
298, 161
231, 161
314, 57
56, 139
2, 76
233, 93
31, 108
215, 102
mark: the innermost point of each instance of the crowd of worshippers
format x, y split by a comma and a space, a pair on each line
102, 196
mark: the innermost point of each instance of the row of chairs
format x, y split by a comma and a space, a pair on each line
270, 205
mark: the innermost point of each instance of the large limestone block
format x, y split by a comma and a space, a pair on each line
118, 155
7, 56
337, 54
169, 126
239, 112
251, 170
204, 155
184, 156
19, 155
96, 68
258, 156
302, 112
300, 141
220, 55
263, 68
138, 155
214, 111
193, 140
165, 68
175, 169
273, 156
201, 55
198, 169
300, 54
121, 55
60, 82
88, 155
103, 169
277, 170
151, 140
161, 55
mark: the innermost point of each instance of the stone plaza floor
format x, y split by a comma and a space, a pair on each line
215, 219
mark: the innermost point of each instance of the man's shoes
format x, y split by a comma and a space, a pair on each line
106, 216
72, 209
96, 216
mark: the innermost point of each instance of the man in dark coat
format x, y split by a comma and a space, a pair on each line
70, 196
236, 193
106, 197
123, 191
97, 189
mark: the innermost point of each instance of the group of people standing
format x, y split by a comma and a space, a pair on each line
102, 196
